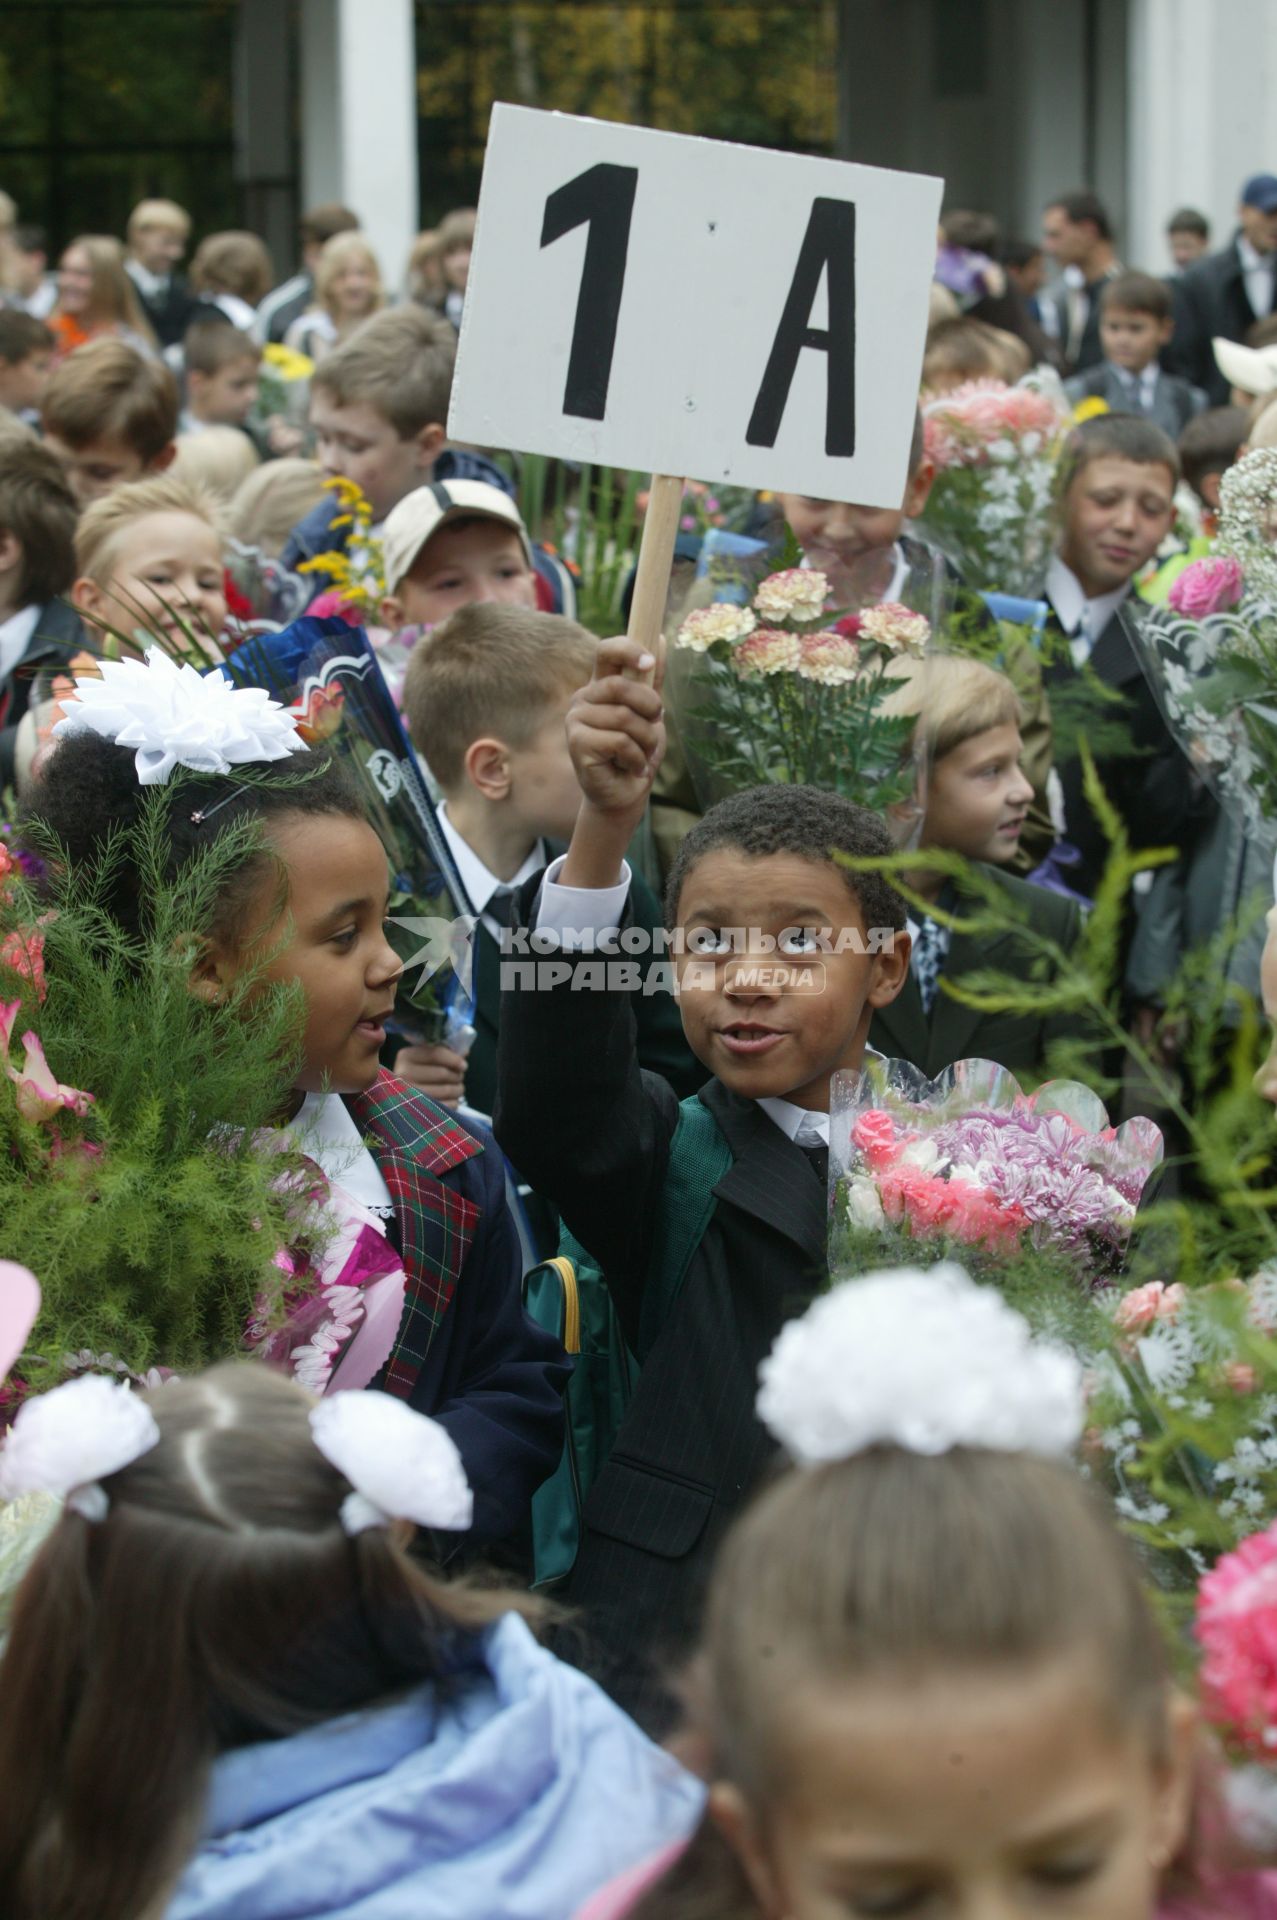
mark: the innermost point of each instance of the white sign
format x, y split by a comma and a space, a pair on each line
683, 306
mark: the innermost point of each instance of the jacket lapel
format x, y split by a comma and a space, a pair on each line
954, 1024
414, 1143
900, 1030
770, 1178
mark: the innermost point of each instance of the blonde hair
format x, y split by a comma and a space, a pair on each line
954, 699
425, 269
159, 213
104, 524
113, 298
338, 253
963, 349
400, 363
217, 457
271, 501
233, 262
490, 669
456, 230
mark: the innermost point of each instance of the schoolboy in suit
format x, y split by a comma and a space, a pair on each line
1224, 294
974, 799
593, 1131
1136, 324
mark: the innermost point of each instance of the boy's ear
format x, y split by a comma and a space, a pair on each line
890, 970
918, 491
164, 458
1208, 488
487, 766
392, 613
430, 444
88, 598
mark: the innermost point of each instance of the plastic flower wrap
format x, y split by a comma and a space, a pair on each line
776, 693
970, 1161
1211, 652
995, 449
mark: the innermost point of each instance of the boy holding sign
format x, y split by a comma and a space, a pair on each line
781, 957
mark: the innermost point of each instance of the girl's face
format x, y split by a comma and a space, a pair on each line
167, 570
75, 282
335, 945
987, 1795
353, 288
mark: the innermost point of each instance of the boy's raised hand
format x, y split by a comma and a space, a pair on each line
616, 732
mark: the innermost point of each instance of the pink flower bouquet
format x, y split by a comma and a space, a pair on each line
970, 1161
776, 692
994, 449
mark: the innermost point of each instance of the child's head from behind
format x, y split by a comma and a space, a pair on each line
964, 349
847, 542
974, 795
110, 415
379, 404
152, 553
449, 544
1116, 488
26, 353
305, 905
485, 699
218, 1602
37, 527
783, 953
222, 372
1208, 446
1136, 320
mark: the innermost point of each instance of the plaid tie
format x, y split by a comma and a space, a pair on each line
927, 958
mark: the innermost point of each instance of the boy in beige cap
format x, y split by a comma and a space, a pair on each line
449, 543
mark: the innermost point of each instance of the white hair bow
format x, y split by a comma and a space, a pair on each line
67, 1441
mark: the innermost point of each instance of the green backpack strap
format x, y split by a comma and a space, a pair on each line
699, 1157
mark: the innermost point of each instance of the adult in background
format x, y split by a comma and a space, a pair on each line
157, 236
290, 300
1224, 294
1078, 235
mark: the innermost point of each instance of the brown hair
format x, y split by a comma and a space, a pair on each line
847, 1570
104, 522
113, 300
1210, 442
219, 1603
1137, 293
955, 699
400, 363
490, 669
973, 350
1114, 436
321, 223
233, 262
21, 335
456, 230
107, 390
38, 508
210, 345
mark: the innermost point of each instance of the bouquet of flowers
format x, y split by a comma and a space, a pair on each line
995, 449
775, 692
970, 1161
357, 571
1211, 652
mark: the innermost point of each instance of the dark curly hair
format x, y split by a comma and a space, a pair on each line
805, 821
89, 797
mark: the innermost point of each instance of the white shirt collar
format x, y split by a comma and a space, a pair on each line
151, 284
479, 880
1250, 257
15, 635
325, 1129
1065, 592
793, 1121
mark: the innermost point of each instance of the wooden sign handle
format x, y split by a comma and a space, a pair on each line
656, 558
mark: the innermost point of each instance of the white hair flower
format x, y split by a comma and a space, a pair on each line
176, 717
402, 1465
925, 1361
66, 1441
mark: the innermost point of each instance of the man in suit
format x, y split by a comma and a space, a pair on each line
1078, 235
1224, 294
1136, 322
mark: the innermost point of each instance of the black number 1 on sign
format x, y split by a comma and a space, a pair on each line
601, 198
829, 248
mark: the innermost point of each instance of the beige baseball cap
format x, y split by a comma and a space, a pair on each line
422, 512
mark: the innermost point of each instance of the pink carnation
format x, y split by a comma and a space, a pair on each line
1207, 587
828, 658
965, 426
1138, 1309
1237, 1631
766, 651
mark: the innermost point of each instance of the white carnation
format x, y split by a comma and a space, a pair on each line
799, 594
925, 1361
722, 621
401, 1464
74, 1436
176, 717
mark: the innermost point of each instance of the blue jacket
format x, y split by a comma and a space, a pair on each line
315, 534
514, 1799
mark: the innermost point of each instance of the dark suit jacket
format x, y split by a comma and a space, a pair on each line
1174, 400
1147, 782
1210, 301
952, 1031
173, 309
56, 636
592, 1131
1084, 351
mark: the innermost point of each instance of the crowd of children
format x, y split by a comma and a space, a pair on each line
902, 1659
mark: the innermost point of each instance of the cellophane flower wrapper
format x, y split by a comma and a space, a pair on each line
969, 1165
995, 450
1210, 654
327, 673
787, 692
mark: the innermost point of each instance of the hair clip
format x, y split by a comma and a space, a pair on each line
401, 1465
201, 815
67, 1441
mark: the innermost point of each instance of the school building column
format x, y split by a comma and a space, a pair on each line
1202, 80
359, 118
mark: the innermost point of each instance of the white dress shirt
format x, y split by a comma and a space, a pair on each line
802, 1125
326, 1130
15, 633
1084, 619
1257, 273
478, 880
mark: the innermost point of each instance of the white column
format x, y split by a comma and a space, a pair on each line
1202, 76
359, 118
